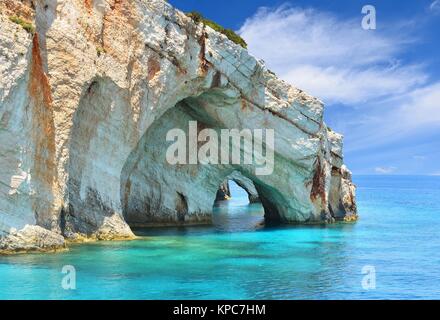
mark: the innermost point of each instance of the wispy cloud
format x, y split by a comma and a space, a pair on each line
435, 7
331, 58
422, 107
385, 170
388, 121
351, 85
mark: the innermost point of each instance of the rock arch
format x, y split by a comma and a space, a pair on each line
243, 182
122, 76
151, 187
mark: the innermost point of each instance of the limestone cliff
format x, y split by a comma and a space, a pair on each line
88, 90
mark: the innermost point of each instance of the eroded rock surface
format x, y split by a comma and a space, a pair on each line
30, 239
85, 104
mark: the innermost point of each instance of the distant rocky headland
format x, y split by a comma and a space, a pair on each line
89, 90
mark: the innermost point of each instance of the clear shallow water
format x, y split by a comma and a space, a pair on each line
398, 234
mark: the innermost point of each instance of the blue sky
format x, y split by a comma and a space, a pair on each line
381, 87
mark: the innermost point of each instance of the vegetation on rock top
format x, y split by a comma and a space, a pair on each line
26, 25
230, 34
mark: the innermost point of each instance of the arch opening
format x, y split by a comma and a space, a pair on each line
237, 213
224, 193
157, 193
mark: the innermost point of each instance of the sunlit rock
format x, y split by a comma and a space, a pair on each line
86, 102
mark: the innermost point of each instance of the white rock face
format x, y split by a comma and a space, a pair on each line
86, 102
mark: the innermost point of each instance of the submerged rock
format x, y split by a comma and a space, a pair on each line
86, 102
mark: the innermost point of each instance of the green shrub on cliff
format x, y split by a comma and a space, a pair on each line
234, 37
198, 18
195, 16
29, 27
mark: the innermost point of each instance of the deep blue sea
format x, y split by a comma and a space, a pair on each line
396, 243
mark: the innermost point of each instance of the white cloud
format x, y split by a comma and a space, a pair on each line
396, 119
385, 170
335, 60
422, 107
435, 6
351, 86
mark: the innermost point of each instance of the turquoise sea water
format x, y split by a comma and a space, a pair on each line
398, 235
